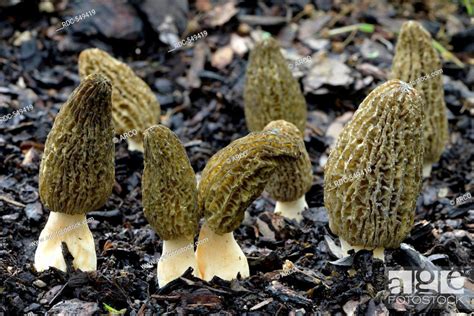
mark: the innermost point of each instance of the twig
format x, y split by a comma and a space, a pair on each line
10, 201
446, 54
363, 27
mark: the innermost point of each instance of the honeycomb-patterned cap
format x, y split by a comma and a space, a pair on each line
169, 185
77, 169
293, 178
373, 175
134, 106
271, 92
417, 63
237, 174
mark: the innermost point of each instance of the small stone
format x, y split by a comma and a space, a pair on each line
34, 211
11, 217
39, 283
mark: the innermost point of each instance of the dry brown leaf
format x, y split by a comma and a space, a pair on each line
222, 14
222, 57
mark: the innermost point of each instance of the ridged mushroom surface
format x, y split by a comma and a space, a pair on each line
415, 58
271, 92
77, 169
134, 105
384, 136
238, 173
169, 185
293, 178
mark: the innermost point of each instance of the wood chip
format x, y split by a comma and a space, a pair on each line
261, 304
10, 201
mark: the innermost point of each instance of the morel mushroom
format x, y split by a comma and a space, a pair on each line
376, 211
76, 174
231, 180
292, 179
271, 93
134, 106
170, 201
416, 62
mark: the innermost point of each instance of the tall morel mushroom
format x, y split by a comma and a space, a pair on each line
376, 210
76, 174
416, 62
231, 180
271, 92
293, 178
134, 105
170, 201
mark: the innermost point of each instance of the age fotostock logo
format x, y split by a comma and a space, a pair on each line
414, 287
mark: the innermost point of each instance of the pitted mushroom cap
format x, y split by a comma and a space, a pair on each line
415, 58
271, 92
237, 174
292, 179
77, 169
169, 185
377, 208
134, 105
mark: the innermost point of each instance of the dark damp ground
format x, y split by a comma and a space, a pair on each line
200, 91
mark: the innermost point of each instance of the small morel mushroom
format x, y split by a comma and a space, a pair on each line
292, 179
134, 105
271, 92
376, 210
231, 180
416, 62
76, 174
170, 201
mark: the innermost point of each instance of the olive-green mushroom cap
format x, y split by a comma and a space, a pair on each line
271, 92
134, 105
237, 174
293, 178
415, 58
169, 185
77, 169
380, 151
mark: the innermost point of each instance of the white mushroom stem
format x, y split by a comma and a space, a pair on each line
177, 257
74, 231
292, 210
220, 255
377, 252
134, 145
427, 170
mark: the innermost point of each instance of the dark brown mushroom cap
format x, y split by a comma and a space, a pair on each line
237, 174
377, 208
169, 185
415, 58
293, 178
134, 105
77, 169
271, 92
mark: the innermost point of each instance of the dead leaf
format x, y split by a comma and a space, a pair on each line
336, 127
327, 71
240, 45
222, 57
203, 5
221, 14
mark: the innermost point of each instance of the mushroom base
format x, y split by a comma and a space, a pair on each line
177, 257
427, 170
74, 231
346, 247
134, 145
220, 255
292, 210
